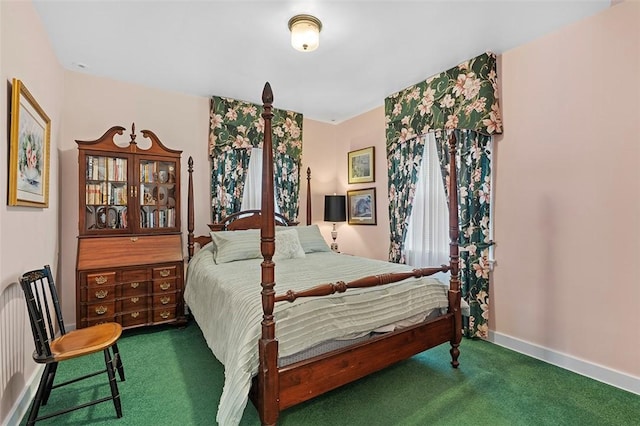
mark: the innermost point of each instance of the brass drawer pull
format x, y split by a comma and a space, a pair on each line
135, 314
135, 299
101, 279
165, 286
165, 314
165, 273
101, 310
101, 294
164, 300
135, 285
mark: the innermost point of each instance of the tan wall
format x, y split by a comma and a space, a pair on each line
360, 132
318, 153
28, 236
325, 149
567, 192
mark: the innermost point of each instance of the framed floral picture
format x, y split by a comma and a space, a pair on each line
361, 165
30, 132
361, 206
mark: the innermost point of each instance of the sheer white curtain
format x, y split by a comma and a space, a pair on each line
427, 242
252, 192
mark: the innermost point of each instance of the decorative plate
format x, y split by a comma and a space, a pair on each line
162, 195
106, 217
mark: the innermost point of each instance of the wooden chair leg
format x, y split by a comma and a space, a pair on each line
51, 376
119, 366
115, 395
37, 401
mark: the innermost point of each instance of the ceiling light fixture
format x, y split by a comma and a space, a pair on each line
305, 32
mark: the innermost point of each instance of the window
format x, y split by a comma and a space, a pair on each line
427, 242
252, 192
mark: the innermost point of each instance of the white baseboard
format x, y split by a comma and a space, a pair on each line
23, 403
597, 372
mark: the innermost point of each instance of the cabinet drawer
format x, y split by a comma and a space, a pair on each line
133, 303
101, 279
163, 299
135, 288
166, 285
101, 309
130, 319
164, 314
101, 294
134, 275
164, 272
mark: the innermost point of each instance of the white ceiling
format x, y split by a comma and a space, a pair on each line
368, 49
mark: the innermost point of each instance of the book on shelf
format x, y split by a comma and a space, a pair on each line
89, 167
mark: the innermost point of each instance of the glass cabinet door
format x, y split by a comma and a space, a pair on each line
105, 193
157, 194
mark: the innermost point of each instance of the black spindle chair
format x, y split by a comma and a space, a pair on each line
42, 303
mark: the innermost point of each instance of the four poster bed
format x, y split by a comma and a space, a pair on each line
339, 318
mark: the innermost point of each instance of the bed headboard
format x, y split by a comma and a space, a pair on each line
247, 219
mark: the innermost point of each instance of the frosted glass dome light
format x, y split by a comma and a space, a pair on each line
305, 32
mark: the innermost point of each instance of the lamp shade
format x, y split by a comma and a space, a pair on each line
335, 208
305, 32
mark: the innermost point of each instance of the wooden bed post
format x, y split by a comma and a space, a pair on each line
268, 384
308, 196
190, 216
454, 258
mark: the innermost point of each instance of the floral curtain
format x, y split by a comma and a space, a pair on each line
235, 128
473, 159
287, 184
463, 97
403, 162
228, 174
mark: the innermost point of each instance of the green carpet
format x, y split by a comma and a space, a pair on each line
174, 379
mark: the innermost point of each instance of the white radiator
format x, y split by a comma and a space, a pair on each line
15, 337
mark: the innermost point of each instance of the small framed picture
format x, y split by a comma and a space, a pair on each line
29, 150
361, 165
361, 206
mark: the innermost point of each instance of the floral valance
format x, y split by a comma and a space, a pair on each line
237, 124
463, 97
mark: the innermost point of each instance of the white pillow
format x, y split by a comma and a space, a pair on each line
230, 246
311, 239
288, 245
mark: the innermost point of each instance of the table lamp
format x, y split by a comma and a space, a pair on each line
335, 211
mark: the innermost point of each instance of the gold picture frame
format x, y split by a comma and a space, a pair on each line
30, 134
361, 207
361, 165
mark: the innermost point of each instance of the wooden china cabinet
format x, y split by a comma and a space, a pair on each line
130, 263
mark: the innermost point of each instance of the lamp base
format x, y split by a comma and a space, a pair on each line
334, 235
